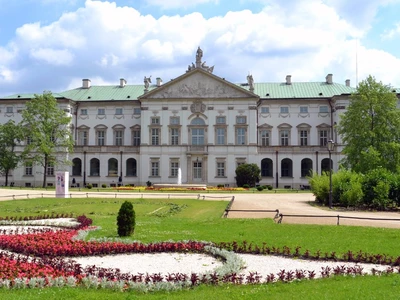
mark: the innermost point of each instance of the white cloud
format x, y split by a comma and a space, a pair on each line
51, 56
392, 33
172, 4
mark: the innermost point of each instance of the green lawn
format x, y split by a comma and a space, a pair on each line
183, 219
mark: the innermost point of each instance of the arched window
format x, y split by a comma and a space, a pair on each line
112, 167
286, 168
131, 167
306, 167
266, 167
94, 167
76, 167
325, 165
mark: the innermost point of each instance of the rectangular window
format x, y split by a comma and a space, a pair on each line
84, 112
9, 110
29, 140
303, 137
101, 111
83, 138
174, 136
136, 138
174, 120
174, 168
119, 135
284, 137
155, 168
155, 120
323, 109
241, 120
155, 136
284, 109
137, 111
220, 136
50, 170
101, 138
221, 120
118, 111
241, 136
220, 169
303, 109
323, 137
265, 110
265, 137
28, 169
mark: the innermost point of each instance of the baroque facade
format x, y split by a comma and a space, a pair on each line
198, 125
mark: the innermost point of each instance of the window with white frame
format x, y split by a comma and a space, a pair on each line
174, 135
220, 135
155, 136
221, 169
9, 109
101, 137
119, 111
303, 109
284, 109
101, 111
83, 135
50, 169
221, 120
137, 111
84, 111
284, 137
241, 136
241, 120
323, 109
174, 167
155, 120
303, 137
174, 121
136, 137
265, 137
155, 169
118, 137
323, 137
28, 169
265, 110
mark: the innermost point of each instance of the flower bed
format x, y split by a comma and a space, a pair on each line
41, 262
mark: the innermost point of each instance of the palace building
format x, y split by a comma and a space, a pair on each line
199, 125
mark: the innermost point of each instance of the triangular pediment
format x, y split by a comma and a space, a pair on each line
197, 84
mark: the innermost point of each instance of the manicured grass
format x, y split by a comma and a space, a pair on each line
187, 219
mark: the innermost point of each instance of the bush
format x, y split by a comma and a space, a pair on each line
104, 185
269, 187
246, 186
260, 188
148, 183
220, 186
89, 186
247, 174
126, 219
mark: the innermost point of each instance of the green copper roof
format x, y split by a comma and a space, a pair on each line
28, 96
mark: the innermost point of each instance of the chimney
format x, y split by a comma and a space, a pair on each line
347, 82
122, 82
289, 79
329, 78
159, 81
85, 83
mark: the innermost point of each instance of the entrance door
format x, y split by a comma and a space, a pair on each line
197, 171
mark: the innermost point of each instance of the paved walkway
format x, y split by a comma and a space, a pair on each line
287, 204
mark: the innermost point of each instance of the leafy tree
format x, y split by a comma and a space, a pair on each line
247, 174
126, 219
49, 133
370, 128
10, 136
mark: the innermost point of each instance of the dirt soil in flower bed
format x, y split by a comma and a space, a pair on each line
290, 203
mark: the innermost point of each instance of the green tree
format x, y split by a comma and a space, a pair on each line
10, 136
247, 174
370, 128
49, 134
126, 219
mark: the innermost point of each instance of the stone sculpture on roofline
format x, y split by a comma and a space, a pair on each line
199, 64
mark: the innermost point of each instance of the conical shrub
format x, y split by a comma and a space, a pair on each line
126, 219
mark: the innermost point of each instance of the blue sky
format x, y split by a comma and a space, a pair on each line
54, 44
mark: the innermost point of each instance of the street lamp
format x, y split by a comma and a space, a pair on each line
331, 145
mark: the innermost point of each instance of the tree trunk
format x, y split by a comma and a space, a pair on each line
6, 183
45, 171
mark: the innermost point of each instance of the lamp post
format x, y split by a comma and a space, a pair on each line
331, 145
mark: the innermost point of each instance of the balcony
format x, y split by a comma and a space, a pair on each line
197, 149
